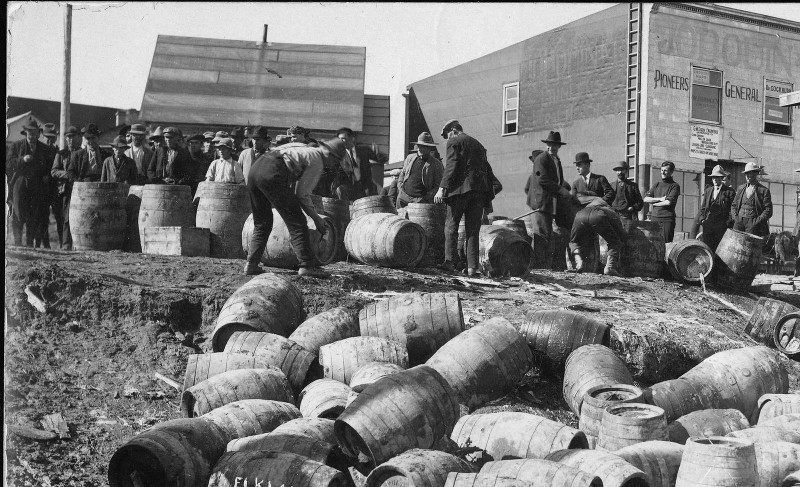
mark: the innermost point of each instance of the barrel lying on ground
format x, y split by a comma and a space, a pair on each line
323, 398
612, 470
659, 460
97, 216
629, 423
327, 327
688, 260
341, 359
279, 251
774, 405
200, 367
385, 240
275, 468
422, 321
456, 479
554, 334
417, 468
707, 422
251, 417
223, 208
503, 252
766, 314
787, 335
592, 366
597, 399
235, 385
535, 471
738, 258
775, 460
717, 461
320, 429
370, 373
766, 434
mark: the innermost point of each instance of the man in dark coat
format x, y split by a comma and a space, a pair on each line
53, 201
627, 198
199, 164
663, 197
715, 209
550, 198
119, 168
597, 218
27, 166
588, 184
172, 165
465, 188
63, 181
354, 181
139, 151
86, 165
421, 174
752, 205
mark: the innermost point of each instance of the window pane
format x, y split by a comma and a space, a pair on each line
510, 128
705, 103
690, 206
511, 104
790, 194
789, 218
511, 116
776, 191
702, 76
774, 113
511, 91
716, 79
777, 215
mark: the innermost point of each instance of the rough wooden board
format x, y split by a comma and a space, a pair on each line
55, 422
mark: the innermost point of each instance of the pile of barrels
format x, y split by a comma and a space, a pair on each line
387, 396
776, 324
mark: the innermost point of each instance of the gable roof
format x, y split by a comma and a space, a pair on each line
50, 111
229, 82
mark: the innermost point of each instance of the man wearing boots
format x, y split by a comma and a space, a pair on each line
596, 218
752, 206
627, 198
715, 211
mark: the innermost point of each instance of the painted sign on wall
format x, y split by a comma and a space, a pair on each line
664, 80
704, 142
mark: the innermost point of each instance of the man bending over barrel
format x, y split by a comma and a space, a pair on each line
269, 183
596, 218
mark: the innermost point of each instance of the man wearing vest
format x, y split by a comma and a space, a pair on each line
260, 139
139, 152
715, 210
589, 184
752, 205
627, 198
421, 174
663, 197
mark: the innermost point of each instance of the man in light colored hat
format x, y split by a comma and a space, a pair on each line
139, 152
752, 206
260, 139
663, 197
64, 182
119, 168
627, 198
225, 169
172, 164
715, 210
421, 174
589, 184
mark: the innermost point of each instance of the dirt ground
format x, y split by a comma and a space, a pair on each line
114, 319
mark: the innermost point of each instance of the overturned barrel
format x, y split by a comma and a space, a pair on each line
327, 327
279, 251
417, 468
165, 205
554, 334
630, 423
707, 422
592, 366
371, 204
738, 258
766, 314
341, 359
597, 399
323, 398
97, 216
385, 240
431, 218
612, 470
718, 461
774, 405
659, 460
787, 335
223, 208
503, 252
249, 417
536, 471
642, 253
688, 260
320, 429
235, 385
775, 460
201, 366
275, 468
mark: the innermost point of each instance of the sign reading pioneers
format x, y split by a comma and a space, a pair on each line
704, 143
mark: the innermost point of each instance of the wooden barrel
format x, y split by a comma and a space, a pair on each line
457, 479
323, 398
371, 204
484, 362
503, 252
327, 327
268, 303
370, 373
133, 202
789, 421
738, 258
423, 322
175, 452
642, 253
507, 435
787, 335
535, 471
597, 399
279, 251
165, 205
792, 480
766, 314
296, 363
235, 385
767, 434
612, 470
773, 405
687, 260
273, 468
554, 334
307, 446
417, 468
339, 211
223, 209
707, 422
717, 461
385, 240
627, 424
516, 226
251, 417
201, 366
97, 217
591, 366
411, 409
341, 359
679, 397
320, 429
659, 460
776, 460
431, 218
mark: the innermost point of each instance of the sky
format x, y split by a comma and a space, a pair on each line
113, 42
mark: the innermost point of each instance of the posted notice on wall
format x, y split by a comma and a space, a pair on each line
704, 143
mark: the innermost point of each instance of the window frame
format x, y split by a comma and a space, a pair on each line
503, 122
764, 109
692, 83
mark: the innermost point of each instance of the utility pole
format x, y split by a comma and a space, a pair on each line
64, 122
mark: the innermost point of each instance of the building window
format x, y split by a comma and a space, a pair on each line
777, 119
784, 206
706, 95
510, 108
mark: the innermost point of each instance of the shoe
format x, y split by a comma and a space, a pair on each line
612, 263
610, 271
313, 272
446, 266
250, 270
578, 262
472, 273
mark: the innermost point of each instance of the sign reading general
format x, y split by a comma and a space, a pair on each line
704, 142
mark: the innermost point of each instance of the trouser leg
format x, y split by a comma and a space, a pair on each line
712, 237
542, 226
455, 210
58, 214
16, 229
67, 245
288, 206
667, 229
262, 223
473, 212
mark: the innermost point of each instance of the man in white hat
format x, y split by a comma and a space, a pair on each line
752, 205
715, 210
421, 174
225, 169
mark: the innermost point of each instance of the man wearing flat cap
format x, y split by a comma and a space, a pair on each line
715, 209
226, 169
627, 198
466, 188
27, 165
119, 168
550, 197
421, 174
172, 165
260, 138
64, 181
752, 205
139, 152
209, 152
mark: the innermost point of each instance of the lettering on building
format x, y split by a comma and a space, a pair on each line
741, 92
664, 80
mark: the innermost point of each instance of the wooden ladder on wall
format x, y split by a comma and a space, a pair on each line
634, 85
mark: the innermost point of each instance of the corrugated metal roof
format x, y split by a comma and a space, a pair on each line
217, 81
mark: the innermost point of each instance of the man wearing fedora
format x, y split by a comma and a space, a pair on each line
86, 164
662, 198
588, 184
550, 197
119, 168
52, 200
466, 188
715, 209
261, 139
27, 165
64, 181
354, 180
139, 152
421, 174
172, 164
627, 200
50, 135
225, 169
752, 205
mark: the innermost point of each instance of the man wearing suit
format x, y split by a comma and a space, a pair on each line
550, 198
356, 179
752, 205
589, 184
86, 165
27, 166
139, 152
171, 165
465, 188
63, 179
627, 198
715, 210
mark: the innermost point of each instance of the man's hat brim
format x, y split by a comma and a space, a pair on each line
553, 142
424, 143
